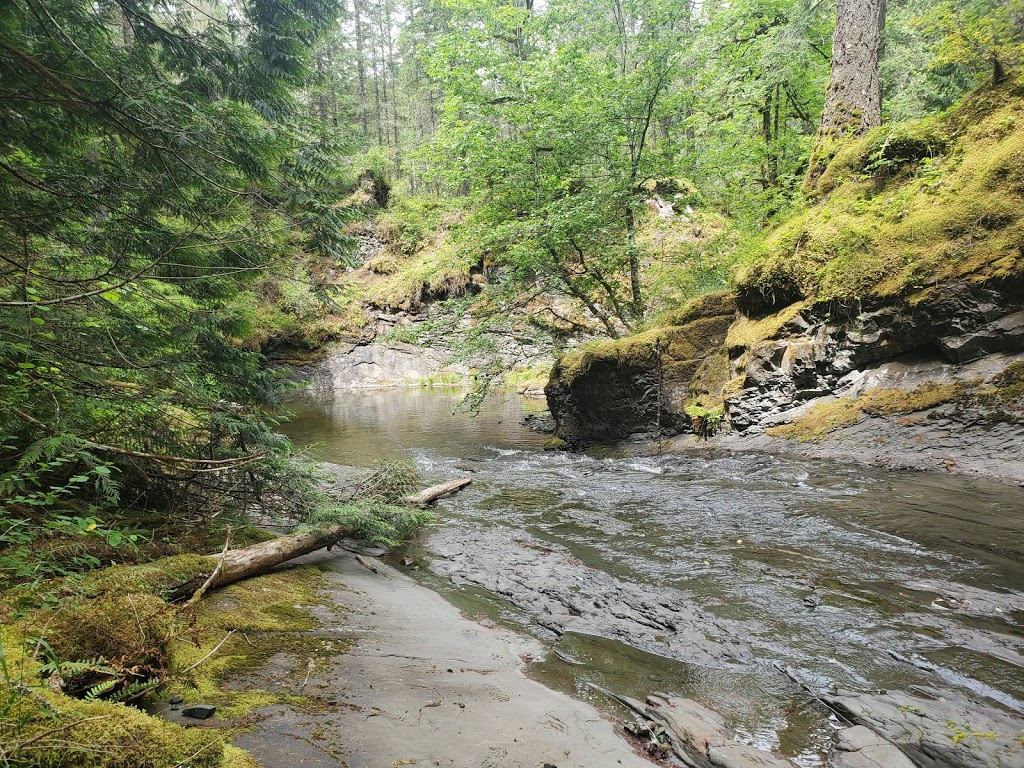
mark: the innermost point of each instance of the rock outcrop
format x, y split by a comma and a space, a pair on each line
640, 386
897, 289
827, 349
932, 733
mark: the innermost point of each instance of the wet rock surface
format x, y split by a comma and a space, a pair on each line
934, 440
860, 747
423, 685
934, 733
697, 735
564, 595
722, 566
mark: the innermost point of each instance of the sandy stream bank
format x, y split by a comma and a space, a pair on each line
424, 685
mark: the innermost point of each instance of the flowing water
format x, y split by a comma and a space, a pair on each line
718, 577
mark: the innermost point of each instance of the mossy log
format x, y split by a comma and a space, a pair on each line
237, 564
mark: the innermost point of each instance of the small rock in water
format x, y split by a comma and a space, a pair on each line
199, 711
407, 561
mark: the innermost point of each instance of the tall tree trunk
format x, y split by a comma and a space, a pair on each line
323, 93
360, 69
392, 69
853, 102
636, 292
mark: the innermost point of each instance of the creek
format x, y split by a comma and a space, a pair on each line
716, 577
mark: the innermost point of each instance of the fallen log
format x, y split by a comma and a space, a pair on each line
237, 564
434, 492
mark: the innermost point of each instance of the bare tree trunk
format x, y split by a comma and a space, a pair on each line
853, 102
323, 94
360, 69
391, 69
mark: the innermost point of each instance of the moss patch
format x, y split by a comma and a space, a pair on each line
267, 618
39, 727
826, 417
746, 331
820, 420
892, 402
685, 336
907, 208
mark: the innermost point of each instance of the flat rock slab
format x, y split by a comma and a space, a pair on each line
422, 683
860, 747
936, 734
700, 736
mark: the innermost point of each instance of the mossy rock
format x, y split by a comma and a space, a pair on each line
906, 210
639, 384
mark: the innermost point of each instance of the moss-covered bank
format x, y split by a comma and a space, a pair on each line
908, 256
903, 211
62, 665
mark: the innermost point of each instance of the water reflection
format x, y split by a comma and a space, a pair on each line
842, 574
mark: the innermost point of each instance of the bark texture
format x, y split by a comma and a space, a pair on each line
853, 102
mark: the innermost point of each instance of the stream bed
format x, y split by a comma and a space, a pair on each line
724, 578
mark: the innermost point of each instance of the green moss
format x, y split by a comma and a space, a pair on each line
555, 444
708, 305
1003, 397
103, 735
40, 727
820, 420
156, 577
238, 758
1008, 386
746, 331
438, 268
908, 208
891, 402
129, 630
710, 378
826, 417
681, 340
267, 618
886, 152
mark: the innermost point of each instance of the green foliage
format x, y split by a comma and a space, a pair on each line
375, 521
705, 422
152, 171
984, 36
374, 506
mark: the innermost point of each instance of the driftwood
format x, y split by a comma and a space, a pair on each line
237, 564
434, 492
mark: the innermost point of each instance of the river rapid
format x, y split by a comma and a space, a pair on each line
725, 578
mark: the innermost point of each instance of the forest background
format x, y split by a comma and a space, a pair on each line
180, 184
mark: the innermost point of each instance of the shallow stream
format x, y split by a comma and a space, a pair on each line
724, 578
